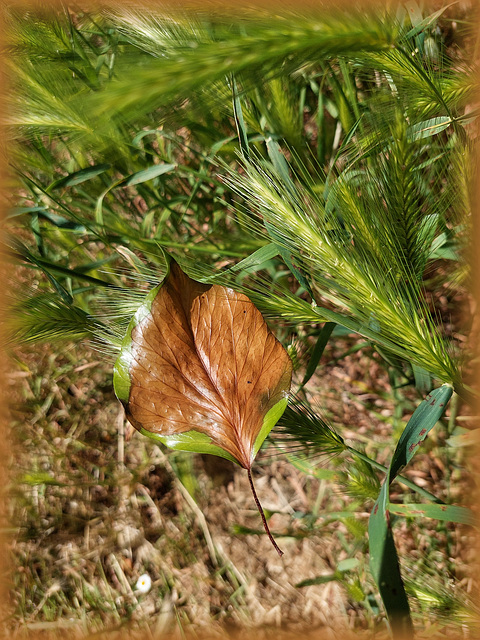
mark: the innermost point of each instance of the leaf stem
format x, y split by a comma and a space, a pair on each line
264, 520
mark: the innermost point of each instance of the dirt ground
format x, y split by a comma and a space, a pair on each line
92, 509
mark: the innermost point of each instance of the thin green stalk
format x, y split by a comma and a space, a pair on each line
466, 393
72, 214
64, 271
454, 406
454, 402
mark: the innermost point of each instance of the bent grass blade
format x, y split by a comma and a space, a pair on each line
384, 563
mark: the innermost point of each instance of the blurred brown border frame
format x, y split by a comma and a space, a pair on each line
205, 5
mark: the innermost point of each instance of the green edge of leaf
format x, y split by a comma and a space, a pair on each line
190, 441
121, 368
272, 417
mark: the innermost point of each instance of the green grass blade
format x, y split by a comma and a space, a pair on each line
322, 129
298, 272
27, 256
426, 22
385, 568
240, 122
135, 178
344, 566
257, 258
279, 162
147, 174
384, 563
423, 380
331, 577
445, 512
318, 350
430, 127
20, 211
79, 176
422, 421
20, 252
58, 221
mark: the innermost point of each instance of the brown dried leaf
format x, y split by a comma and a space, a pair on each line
204, 359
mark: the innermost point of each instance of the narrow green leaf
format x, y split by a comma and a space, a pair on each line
215, 148
240, 122
385, 567
142, 134
445, 512
47, 266
135, 178
426, 22
280, 163
333, 164
331, 577
43, 266
429, 162
318, 350
422, 421
79, 176
345, 112
428, 128
288, 258
296, 270
444, 248
62, 223
99, 205
322, 129
146, 174
20, 211
131, 258
38, 478
348, 564
257, 258
423, 380
249, 264
384, 563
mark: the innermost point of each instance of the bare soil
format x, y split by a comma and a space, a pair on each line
92, 510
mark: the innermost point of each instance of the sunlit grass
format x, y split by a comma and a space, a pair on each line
333, 153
